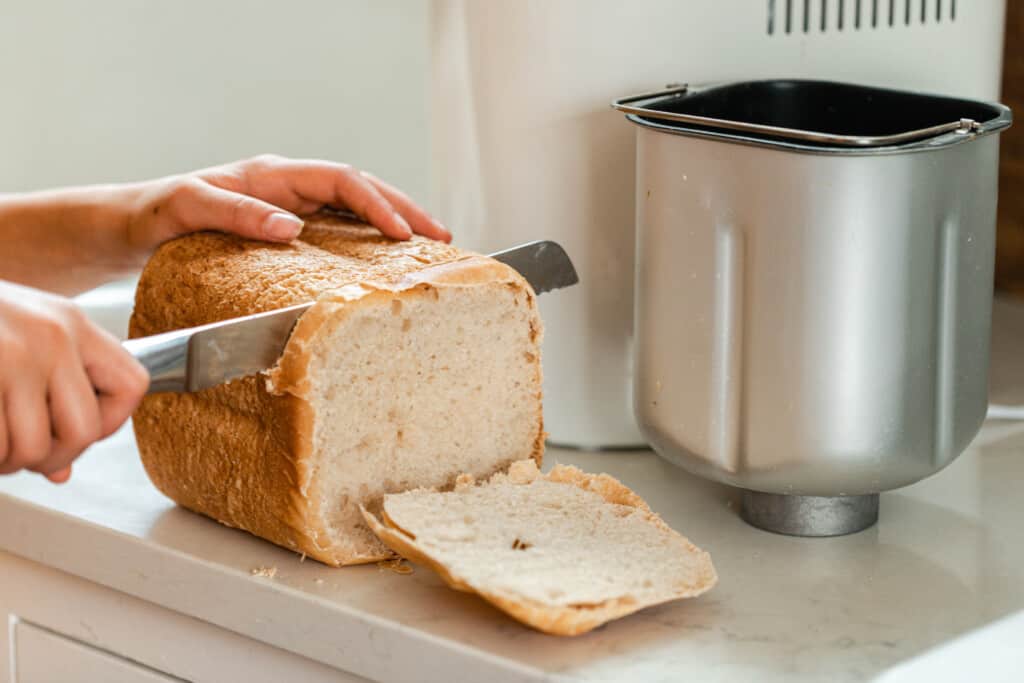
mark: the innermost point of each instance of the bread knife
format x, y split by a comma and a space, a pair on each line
200, 357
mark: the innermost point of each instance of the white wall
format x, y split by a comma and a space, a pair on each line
106, 90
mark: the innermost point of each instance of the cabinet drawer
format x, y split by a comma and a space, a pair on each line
65, 628
42, 656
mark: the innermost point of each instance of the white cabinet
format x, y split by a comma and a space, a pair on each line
62, 628
41, 656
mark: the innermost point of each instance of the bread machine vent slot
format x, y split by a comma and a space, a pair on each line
824, 16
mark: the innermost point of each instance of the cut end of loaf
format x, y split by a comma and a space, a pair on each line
563, 553
408, 389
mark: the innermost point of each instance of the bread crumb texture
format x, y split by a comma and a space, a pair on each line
265, 572
398, 565
563, 553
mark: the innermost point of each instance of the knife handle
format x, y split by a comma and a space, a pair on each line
165, 357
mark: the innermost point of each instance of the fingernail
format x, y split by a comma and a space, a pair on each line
403, 227
283, 226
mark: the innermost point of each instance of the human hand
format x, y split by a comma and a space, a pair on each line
64, 382
262, 198
77, 238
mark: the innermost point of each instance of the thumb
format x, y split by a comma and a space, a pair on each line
207, 207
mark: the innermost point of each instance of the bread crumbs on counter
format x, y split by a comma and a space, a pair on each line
397, 565
268, 572
318, 581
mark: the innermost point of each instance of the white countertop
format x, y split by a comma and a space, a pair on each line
946, 559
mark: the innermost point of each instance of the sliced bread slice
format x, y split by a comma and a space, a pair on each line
563, 552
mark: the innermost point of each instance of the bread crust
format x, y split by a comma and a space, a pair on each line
560, 620
242, 452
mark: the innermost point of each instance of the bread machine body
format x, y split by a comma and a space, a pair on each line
812, 320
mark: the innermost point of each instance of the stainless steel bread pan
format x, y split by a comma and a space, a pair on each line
813, 288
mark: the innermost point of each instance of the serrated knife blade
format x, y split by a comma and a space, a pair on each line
201, 357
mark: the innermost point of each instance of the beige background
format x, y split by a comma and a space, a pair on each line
126, 89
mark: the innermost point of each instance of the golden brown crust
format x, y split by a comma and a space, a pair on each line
567, 620
240, 452
187, 281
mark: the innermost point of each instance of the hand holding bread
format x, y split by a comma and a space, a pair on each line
262, 198
63, 381
70, 240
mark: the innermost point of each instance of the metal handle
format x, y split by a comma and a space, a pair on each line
165, 357
625, 105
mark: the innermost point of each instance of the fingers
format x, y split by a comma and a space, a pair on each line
357, 193
28, 425
308, 184
52, 363
74, 416
420, 221
198, 205
260, 197
119, 380
338, 185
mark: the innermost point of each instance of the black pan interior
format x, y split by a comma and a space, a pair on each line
824, 107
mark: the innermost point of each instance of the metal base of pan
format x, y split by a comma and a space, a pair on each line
810, 515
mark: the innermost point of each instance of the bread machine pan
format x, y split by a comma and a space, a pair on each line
813, 289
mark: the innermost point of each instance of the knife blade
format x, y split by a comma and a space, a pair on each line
201, 357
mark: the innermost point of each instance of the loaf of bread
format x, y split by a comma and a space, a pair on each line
417, 363
563, 552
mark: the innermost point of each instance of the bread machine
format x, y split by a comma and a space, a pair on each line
526, 148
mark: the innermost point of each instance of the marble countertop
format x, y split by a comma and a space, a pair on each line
938, 583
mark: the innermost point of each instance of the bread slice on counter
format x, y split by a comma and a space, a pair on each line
563, 552
417, 363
